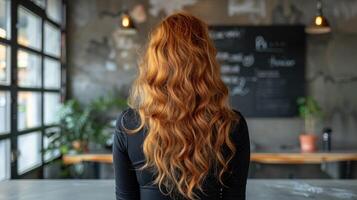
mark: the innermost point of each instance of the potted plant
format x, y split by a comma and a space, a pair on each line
83, 125
310, 112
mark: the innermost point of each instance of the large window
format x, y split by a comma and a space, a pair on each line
31, 86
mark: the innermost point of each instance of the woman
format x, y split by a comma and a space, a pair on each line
180, 139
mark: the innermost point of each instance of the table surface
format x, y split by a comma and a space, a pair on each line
260, 157
257, 189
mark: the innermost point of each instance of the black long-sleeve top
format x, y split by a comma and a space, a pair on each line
131, 183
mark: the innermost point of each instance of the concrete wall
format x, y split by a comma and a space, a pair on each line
103, 59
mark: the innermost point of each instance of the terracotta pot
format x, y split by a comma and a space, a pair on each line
308, 142
81, 146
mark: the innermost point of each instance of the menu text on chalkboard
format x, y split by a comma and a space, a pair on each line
263, 66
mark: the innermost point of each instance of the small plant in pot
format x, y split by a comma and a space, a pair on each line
83, 125
310, 112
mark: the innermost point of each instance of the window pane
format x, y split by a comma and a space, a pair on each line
51, 135
28, 69
4, 65
4, 112
29, 29
40, 3
4, 159
28, 110
29, 146
52, 74
54, 10
5, 18
51, 107
52, 40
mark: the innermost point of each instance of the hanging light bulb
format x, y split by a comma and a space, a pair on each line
320, 24
126, 22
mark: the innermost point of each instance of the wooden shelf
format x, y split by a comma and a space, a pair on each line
266, 158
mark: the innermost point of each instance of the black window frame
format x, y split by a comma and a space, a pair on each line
13, 87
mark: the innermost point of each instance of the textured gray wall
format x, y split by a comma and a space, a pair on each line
102, 59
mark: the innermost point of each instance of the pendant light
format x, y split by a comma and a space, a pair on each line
319, 25
126, 22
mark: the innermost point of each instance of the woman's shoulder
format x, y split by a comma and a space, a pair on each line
240, 117
241, 128
128, 119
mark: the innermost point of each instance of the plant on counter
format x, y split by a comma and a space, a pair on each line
82, 125
310, 111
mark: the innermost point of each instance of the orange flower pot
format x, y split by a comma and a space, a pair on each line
308, 142
80, 146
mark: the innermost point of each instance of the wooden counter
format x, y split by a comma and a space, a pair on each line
266, 158
74, 159
302, 158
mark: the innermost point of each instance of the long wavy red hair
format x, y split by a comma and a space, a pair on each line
183, 103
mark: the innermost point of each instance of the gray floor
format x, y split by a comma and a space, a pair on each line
104, 189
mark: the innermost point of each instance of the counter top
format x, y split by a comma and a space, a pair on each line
257, 189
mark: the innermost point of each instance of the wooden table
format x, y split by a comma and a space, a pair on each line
265, 158
257, 189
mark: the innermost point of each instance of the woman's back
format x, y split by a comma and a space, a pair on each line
133, 183
181, 139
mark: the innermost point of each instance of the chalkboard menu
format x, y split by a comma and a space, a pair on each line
263, 66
